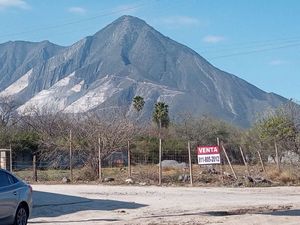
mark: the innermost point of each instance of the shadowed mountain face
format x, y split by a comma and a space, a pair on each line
125, 59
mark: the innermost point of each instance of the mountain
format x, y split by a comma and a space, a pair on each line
126, 58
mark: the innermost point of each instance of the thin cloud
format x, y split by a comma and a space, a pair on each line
21, 4
213, 39
177, 21
77, 10
277, 62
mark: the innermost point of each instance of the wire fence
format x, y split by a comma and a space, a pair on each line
142, 167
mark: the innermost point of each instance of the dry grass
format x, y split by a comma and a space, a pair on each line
287, 178
288, 175
148, 175
43, 175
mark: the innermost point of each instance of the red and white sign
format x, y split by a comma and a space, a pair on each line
208, 155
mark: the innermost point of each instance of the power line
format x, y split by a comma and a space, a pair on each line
77, 21
254, 51
294, 38
250, 45
283, 42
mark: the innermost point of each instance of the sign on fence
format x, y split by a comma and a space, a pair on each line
208, 155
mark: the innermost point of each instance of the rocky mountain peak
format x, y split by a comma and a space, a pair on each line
130, 20
125, 59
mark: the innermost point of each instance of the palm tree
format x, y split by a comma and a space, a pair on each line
161, 118
138, 103
161, 115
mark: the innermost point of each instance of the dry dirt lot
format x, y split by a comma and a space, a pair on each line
98, 204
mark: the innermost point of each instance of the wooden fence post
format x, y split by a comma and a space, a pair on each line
160, 164
244, 160
261, 162
190, 164
99, 160
221, 166
277, 157
34, 168
71, 156
129, 159
10, 159
228, 160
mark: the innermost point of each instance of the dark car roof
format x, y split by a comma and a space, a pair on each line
6, 171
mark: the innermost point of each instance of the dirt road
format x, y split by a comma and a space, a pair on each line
97, 204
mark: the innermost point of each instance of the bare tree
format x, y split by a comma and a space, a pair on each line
8, 116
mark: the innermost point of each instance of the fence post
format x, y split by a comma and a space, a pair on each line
229, 162
221, 165
160, 165
129, 159
71, 168
99, 159
277, 157
34, 168
261, 162
244, 160
190, 163
10, 159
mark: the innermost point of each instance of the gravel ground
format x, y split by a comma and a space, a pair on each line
99, 204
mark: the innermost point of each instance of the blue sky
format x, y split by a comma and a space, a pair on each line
257, 40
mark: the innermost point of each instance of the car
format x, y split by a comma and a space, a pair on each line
15, 199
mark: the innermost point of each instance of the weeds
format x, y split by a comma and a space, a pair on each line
148, 174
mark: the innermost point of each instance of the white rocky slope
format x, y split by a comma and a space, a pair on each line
125, 59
